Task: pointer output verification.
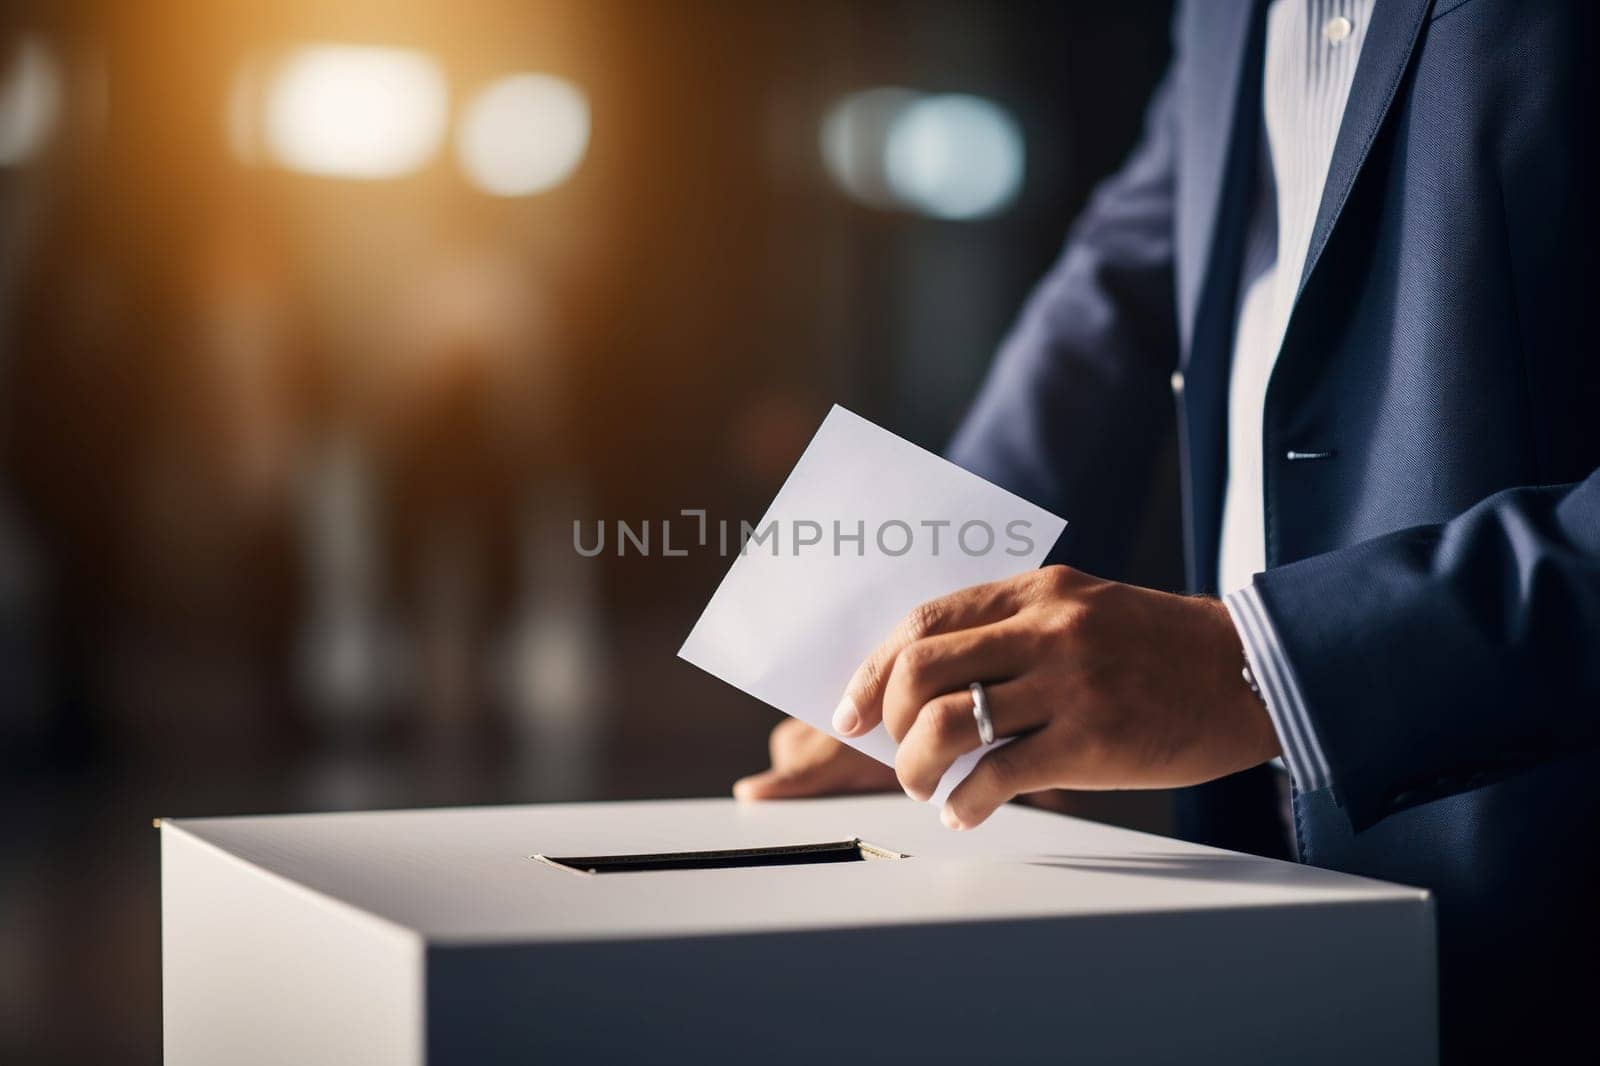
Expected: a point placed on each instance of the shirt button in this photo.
(1336, 29)
(1177, 382)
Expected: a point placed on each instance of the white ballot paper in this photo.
(867, 527)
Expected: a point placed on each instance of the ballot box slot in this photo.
(725, 859)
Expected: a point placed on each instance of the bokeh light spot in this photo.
(955, 156)
(523, 134)
(355, 111)
(952, 156)
(30, 100)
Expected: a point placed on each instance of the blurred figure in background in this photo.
(461, 421)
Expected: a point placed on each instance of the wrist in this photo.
(1298, 742)
(1241, 690)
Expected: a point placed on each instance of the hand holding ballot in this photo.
(1103, 685)
(1089, 684)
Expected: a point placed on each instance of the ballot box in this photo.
(840, 930)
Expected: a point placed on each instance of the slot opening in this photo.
(855, 850)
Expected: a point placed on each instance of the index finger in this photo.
(861, 709)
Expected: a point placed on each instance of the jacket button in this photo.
(1177, 382)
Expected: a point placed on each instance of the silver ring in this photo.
(980, 711)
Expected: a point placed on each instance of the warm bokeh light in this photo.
(952, 156)
(355, 111)
(30, 100)
(523, 134)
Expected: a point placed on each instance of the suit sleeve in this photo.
(1440, 658)
(1077, 407)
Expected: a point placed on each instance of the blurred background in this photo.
(322, 322)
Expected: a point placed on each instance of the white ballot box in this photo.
(793, 932)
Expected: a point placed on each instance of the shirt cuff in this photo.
(1302, 754)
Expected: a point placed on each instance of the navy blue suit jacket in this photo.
(1435, 579)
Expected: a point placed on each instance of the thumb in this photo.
(777, 784)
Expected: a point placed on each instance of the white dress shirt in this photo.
(1312, 48)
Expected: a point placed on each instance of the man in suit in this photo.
(1355, 245)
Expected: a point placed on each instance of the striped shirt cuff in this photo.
(1302, 754)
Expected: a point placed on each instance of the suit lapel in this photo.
(1396, 25)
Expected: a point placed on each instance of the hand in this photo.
(1106, 686)
(806, 762)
